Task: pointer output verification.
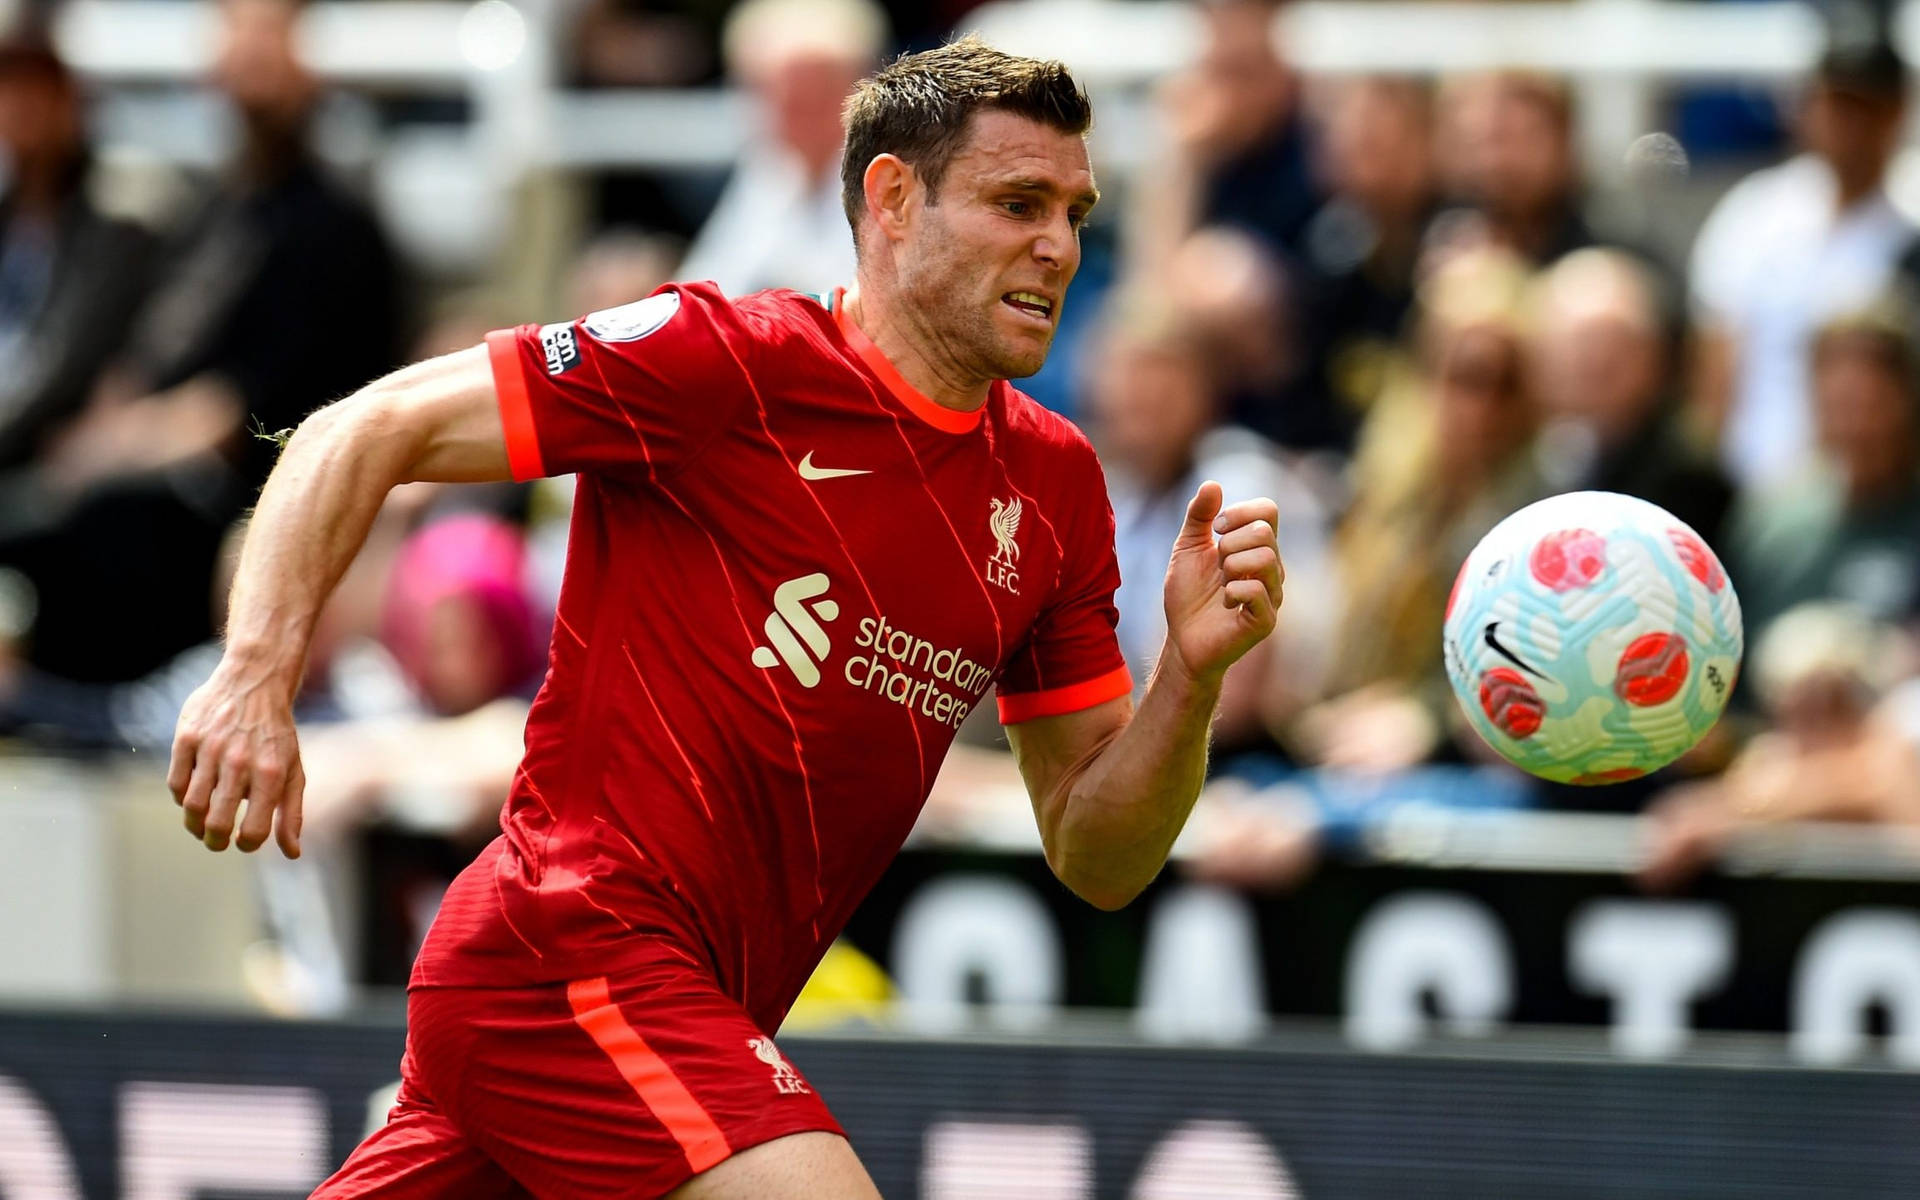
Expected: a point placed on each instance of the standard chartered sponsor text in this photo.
(910, 670)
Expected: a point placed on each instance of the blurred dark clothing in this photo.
(1356, 284)
(646, 43)
(1569, 233)
(1295, 413)
(1800, 541)
(926, 24)
(1355, 291)
(68, 291)
(288, 290)
(139, 715)
(123, 573)
(1566, 232)
(284, 289)
(1906, 273)
(1660, 466)
(1270, 191)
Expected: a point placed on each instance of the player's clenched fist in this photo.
(1223, 581)
(235, 742)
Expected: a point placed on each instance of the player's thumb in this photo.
(1201, 510)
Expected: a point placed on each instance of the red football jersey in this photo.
(790, 576)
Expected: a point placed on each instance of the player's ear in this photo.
(892, 188)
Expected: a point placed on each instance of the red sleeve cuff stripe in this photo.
(1025, 706)
(516, 408)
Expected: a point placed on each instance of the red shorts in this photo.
(621, 1087)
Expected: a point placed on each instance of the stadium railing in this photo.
(501, 57)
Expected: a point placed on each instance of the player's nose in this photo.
(1057, 247)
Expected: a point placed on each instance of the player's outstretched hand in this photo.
(235, 742)
(1223, 581)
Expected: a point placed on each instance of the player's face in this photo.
(988, 260)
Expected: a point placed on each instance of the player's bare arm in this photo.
(436, 420)
(1112, 787)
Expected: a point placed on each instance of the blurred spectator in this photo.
(458, 618)
(1446, 453)
(416, 732)
(283, 293)
(1266, 826)
(619, 267)
(1237, 301)
(781, 222)
(1790, 247)
(1238, 152)
(1155, 410)
(280, 295)
(1507, 156)
(71, 275)
(1833, 753)
(1603, 369)
(1361, 248)
(646, 43)
(438, 616)
(1844, 527)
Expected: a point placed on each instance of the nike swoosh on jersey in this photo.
(1493, 643)
(809, 471)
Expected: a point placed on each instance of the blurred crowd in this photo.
(1392, 303)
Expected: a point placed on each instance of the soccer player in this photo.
(810, 531)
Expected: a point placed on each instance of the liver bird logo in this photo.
(1005, 524)
(786, 1080)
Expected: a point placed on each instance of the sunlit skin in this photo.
(937, 269)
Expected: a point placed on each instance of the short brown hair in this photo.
(919, 107)
(1880, 330)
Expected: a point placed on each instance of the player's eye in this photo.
(1018, 208)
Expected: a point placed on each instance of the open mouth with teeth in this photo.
(1031, 304)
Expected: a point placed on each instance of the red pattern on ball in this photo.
(1568, 559)
(1698, 558)
(1610, 775)
(1459, 578)
(1511, 703)
(1652, 669)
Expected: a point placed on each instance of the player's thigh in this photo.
(418, 1155)
(801, 1166)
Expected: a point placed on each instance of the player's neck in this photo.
(914, 351)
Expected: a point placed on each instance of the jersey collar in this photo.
(918, 403)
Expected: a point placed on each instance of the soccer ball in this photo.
(1592, 638)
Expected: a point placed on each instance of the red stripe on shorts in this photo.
(648, 1074)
